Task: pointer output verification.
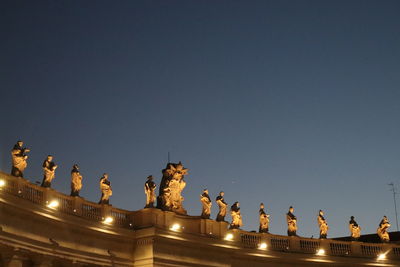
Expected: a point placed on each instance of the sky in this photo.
(280, 102)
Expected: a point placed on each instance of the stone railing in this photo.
(145, 218)
(77, 206)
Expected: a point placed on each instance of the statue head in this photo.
(262, 206)
(205, 191)
(105, 176)
(221, 193)
(150, 177)
(321, 213)
(75, 167)
(49, 158)
(352, 218)
(20, 143)
(291, 209)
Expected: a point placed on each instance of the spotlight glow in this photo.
(262, 246)
(381, 256)
(2, 183)
(108, 220)
(229, 237)
(175, 227)
(320, 252)
(53, 204)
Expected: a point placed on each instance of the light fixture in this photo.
(2, 183)
(381, 256)
(108, 220)
(321, 252)
(53, 204)
(229, 237)
(262, 245)
(175, 227)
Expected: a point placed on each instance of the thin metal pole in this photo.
(395, 205)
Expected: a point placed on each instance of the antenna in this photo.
(393, 189)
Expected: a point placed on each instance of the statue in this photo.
(172, 184)
(264, 220)
(382, 229)
(106, 191)
(76, 181)
(49, 171)
(222, 207)
(236, 216)
(150, 191)
(206, 204)
(355, 229)
(19, 157)
(323, 225)
(291, 222)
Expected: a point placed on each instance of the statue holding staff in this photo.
(76, 181)
(291, 222)
(323, 225)
(19, 159)
(106, 191)
(382, 229)
(206, 204)
(150, 191)
(236, 216)
(355, 229)
(222, 207)
(264, 220)
(49, 171)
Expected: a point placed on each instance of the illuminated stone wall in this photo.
(42, 227)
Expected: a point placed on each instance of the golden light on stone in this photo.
(53, 204)
(2, 183)
(108, 220)
(321, 252)
(262, 246)
(175, 227)
(229, 237)
(381, 256)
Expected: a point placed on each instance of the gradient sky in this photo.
(282, 102)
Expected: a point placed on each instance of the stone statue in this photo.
(76, 181)
(172, 184)
(236, 216)
(264, 220)
(355, 229)
(222, 207)
(323, 225)
(49, 171)
(19, 159)
(382, 229)
(150, 191)
(106, 191)
(206, 204)
(291, 222)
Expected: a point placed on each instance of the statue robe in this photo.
(19, 162)
(222, 208)
(49, 171)
(76, 182)
(206, 205)
(106, 191)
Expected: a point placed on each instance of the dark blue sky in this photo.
(281, 102)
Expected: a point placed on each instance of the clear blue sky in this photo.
(282, 102)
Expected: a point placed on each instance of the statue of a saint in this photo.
(355, 229)
(264, 220)
(49, 171)
(236, 216)
(206, 204)
(76, 181)
(106, 191)
(171, 187)
(222, 207)
(291, 222)
(323, 225)
(150, 191)
(19, 159)
(382, 229)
